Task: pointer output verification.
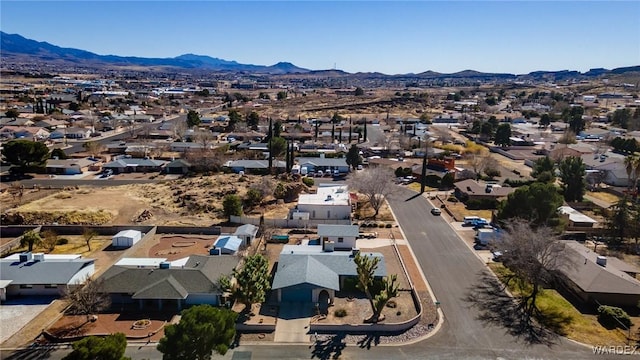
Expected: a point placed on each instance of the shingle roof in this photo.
(305, 269)
(121, 163)
(42, 272)
(200, 274)
(338, 230)
(583, 270)
(255, 164)
(318, 268)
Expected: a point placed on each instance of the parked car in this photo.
(436, 211)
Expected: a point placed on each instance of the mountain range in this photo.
(14, 47)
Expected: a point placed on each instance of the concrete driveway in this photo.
(293, 322)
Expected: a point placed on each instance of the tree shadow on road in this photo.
(368, 340)
(413, 197)
(498, 308)
(330, 348)
(33, 352)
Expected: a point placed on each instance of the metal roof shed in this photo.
(126, 238)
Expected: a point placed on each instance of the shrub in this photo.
(62, 241)
(381, 225)
(492, 173)
(452, 199)
(340, 312)
(482, 204)
(307, 181)
(392, 304)
(612, 317)
(388, 226)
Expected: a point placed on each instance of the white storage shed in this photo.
(126, 238)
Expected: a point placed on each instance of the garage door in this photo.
(296, 295)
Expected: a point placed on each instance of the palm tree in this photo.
(632, 166)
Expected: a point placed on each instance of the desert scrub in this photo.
(340, 312)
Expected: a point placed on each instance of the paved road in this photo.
(58, 183)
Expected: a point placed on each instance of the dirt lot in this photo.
(180, 246)
(188, 201)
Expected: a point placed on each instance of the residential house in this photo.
(323, 164)
(30, 274)
(343, 237)
(562, 151)
(611, 164)
(33, 133)
(51, 124)
(473, 190)
(331, 202)
(255, 166)
(313, 273)
(576, 219)
(178, 166)
(71, 166)
(596, 279)
(174, 285)
(127, 165)
(71, 133)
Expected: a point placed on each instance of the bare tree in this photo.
(479, 162)
(94, 148)
(88, 235)
(49, 240)
(534, 255)
(375, 184)
(179, 130)
(88, 299)
(204, 138)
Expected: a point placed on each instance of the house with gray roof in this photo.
(70, 166)
(255, 166)
(313, 273)
(127, 165)
(343, 236)
(35, 274)
(596, 279)
(166, 285)
(315, 164)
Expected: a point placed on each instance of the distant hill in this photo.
(18, 48)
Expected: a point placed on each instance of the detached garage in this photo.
(126, 238)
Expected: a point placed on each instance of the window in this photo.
(51, 286)
(26, 286)
(340, 239)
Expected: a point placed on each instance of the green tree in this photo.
(503, 135)
(58, 153)
(619, 223)
(544, 170)
(25, 154)
(253, 119)
(366, 267)
(574, 118)
(252, 198)
(475, 127)
(202, 330)
(353, 157)
(234, 118)
(278, 146)
(232, 205)
(622, 117)
(193, 118)
(359, 91)
(30, 239)
(545, 120)
(110, 347)
(282, 95)
(277, 128)
(537, 203)
(250, 284)
(12, 113)
(572, 174)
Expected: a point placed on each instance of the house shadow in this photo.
(329, 348)
(497, 308)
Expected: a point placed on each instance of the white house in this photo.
(126, 238)
(329, 203)
(341, 236)
(30, 274)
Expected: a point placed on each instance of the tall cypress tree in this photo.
(286, 160)
(270, 156)
(365, 130)
(333, 132)
(423, 175)
(350, 131)
(316, 135)
(340, 136)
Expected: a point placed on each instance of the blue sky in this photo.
(388, 37)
